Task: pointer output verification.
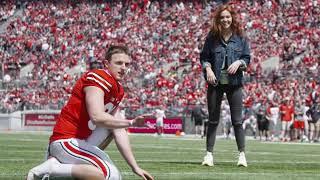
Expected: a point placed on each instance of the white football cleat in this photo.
(45, 177)
(42, 171)
(242, 160)
(31, 176)
(208, 160)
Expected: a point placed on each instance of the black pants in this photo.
(214, 97)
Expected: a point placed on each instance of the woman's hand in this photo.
(211, 78)
(234, 67)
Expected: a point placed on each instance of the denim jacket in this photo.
(214, 52)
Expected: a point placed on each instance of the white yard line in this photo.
(170, 138)
(292, 143)
(220, 173)
(182, 161)
(177, 151)
(24, 139)
(255, 161)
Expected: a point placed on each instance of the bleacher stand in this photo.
(165, 38)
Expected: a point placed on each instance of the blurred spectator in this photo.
(198, 115)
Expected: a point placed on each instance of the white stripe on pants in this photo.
(76, 151)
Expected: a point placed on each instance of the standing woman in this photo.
(224, 57)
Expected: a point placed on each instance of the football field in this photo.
(172, 157)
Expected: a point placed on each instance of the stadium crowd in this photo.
(7, 9)
(165, 38)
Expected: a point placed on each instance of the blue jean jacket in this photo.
(214, 52)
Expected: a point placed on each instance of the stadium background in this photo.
(46, 45)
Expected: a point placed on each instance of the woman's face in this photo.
(225, 19)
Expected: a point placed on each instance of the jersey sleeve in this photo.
(98, 79)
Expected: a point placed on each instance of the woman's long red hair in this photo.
(216, 25)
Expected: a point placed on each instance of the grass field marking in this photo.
(166, 138)
(25, 151)
(27, 132)
(219, 173)
(266, 142)
(292, 143)
(179, 161)
(183, 139)
(253, 161)
(19, 146)
(282, 153)
(157, 147)
(130, 173)
(26, 140)
(183, 152)
(233, 152)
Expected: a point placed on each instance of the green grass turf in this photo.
(174, 158)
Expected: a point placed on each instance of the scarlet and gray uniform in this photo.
(75, 138)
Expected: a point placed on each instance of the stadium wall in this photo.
(34, 120)
(44, 120)
(11, 121)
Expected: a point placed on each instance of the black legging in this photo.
(214, 97)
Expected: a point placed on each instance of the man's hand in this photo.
(142, 173)
(140, 120)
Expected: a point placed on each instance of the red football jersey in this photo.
(287, 112)
(74, 121)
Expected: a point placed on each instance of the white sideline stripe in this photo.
(25, 151)
(135, 146)
(18, 146)
(22, 139)
(159, 147)
(255, 161)
(292, 143)
(282, 154)
(167, 138)
(183, 161)
(264, 142)
(247, 152)
(201, 174)
(19, 132)
(178, 152)
(183, 139)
